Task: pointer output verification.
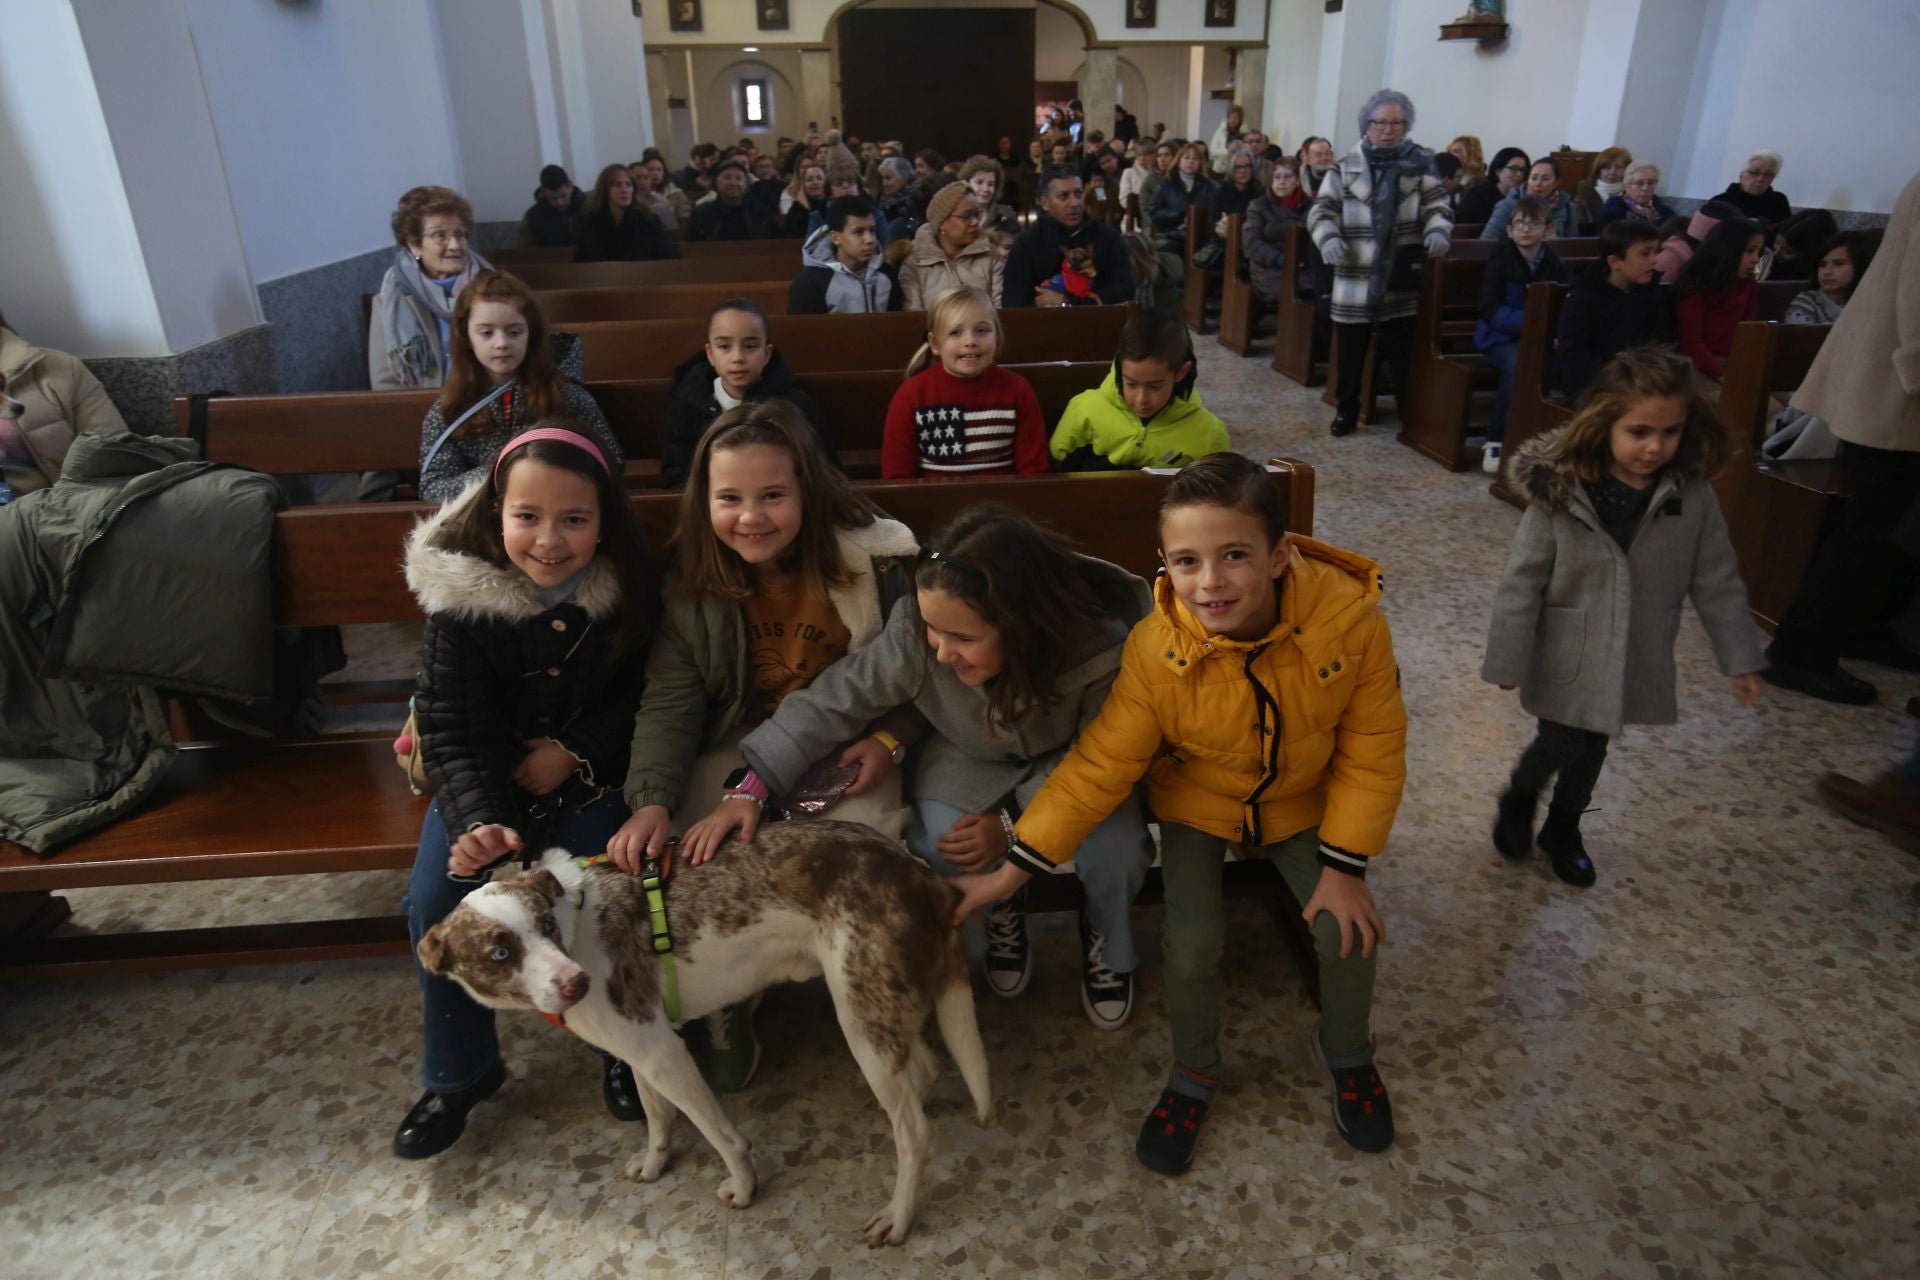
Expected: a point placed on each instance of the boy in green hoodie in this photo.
(1146, 413)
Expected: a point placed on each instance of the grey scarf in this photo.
(1388, 165)
(409, 348)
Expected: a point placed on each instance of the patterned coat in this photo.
(1344, 211)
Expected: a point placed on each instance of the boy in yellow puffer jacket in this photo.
(1261, 702)
(1146, 413)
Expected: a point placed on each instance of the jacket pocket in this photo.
(1561, 646)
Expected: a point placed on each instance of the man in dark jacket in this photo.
(1037, 256)
(1613, 305)
(1125, 127)
(730, 215)
(697, 178)
(553, 220)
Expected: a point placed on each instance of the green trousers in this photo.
(1190, 863)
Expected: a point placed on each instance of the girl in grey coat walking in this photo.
(1621, 526)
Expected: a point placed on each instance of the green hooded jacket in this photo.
(1104, 423)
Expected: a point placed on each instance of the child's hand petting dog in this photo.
(482, 847)
(704, 838)
(642, 836)
(976, 841)
(546, 765)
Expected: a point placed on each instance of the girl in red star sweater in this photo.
(959, 414)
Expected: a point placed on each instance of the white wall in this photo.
(716, 74)
(497, 136)
(1164, 69)
(1834, 89)
(1059, 43)
(1293, 72)
(72, 275)
(735, 22)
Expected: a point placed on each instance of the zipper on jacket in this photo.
(1265, 704)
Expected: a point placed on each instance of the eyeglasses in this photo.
(1757, 173)
(446, 237)
(1526, 224)
(966, 215)
(1513, 168)
(1386, 124)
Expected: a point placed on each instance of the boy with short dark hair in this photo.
(1614, 305)
(1147, 412)
(844, 273)
(1521, 259)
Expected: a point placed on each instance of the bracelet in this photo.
(895, 748)
(751, 785)
(1006, 825)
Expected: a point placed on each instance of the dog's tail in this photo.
(958, 1027)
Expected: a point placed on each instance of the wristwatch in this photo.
(895, 748)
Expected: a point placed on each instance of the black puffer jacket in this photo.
(694, 407)
(498, 669)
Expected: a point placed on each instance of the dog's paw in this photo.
(882, 1229)
(737, 1192)
(647, 1167)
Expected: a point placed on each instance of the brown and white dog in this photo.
(801, 900)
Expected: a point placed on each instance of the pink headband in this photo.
(550, 433)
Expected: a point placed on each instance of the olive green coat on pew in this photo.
(1866, 380)
(142, 568)
(1586, 630)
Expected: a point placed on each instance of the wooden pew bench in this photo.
(1199, 281)
(1300, 331)
(544, 276)
(513, 259)
(245, 809)
(1240, 306)
(333, 432)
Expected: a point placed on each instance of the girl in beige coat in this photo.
(58, 400)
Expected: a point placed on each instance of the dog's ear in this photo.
(545, 882)
(433, 952)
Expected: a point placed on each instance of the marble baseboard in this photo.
(143, 388)
(317, 320)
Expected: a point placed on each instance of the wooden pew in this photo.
(256, 808)
(547, 277)
(568, 308)
(619, 350)
(351, 431)
(512, 259)
(1240, 307)
(1199, 280)
(1446, 371)
(1300, 332)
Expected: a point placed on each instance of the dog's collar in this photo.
(653, 880)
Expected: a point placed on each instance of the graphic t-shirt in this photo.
(791, 637)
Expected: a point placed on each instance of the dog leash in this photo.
(653, 880)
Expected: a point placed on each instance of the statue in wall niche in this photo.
(1484, 11)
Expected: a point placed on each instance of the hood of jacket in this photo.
(17, 355)
(1327, 590)
(858, 603)
(927, 251)
(1549, 483)
(693, 379)
(475, 590)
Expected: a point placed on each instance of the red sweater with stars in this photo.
(940, 425)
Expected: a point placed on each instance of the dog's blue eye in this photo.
(501, 953)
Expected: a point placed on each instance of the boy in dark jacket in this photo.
(1613, 305)
(843, 271)
(738, 365)
(1517, 262)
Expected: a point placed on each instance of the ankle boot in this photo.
(1560, 838)
(1513, 828)
(438, 1119)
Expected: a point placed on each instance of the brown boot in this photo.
(1882, 804)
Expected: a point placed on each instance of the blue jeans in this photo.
(460, 1043)
(1112, 864)
(1504, 357)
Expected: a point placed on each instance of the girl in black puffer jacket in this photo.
(540, 599)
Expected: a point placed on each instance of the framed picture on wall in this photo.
(773, 14)
(684, 15)
(1220, 13)
(1143, 13)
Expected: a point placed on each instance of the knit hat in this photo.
(553, 177)
(945, 201)
(732, 162)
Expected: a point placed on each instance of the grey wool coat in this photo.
(1344, 211)
(967, 760)
(1585, 629)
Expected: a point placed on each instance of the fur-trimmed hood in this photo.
(475, 590)
(1550, 485)
(858, 603)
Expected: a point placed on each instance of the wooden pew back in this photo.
(544, 276)
(567, 308)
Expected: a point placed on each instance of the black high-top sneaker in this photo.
(1513, 829)
(1560, 839)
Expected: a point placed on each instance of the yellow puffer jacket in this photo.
(1197, 714)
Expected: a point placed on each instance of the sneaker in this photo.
(1490, 459)
(1171, 1132)
(732, 1050)
(1513, 829)
(1560, 840)
(1105, 995)
(1362, 1112)
(1009, 955)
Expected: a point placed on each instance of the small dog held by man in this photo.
(577, 943)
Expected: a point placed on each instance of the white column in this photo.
(816, 89)
(1098, 76)
(602, 70)
(1250, 87)
(1196, 89)
(1293, 71)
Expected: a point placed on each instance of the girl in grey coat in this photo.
(1621, 526)
(1006, 649)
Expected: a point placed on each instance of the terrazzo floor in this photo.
(1709, 1065)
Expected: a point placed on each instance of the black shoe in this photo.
(1513, 829)
(1834, 685)
(618, 1092)
(1362, 1112)
(1105, 995)
(1882, 648)
(1009, 954)
(1344, 424)
(1170, 1133)
(438, 1119)
(1560, 840)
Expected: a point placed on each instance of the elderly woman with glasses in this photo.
(407, 338)
(1753, 194)
(1379, 211)
(1637, 200)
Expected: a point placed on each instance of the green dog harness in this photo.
(653, 879)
